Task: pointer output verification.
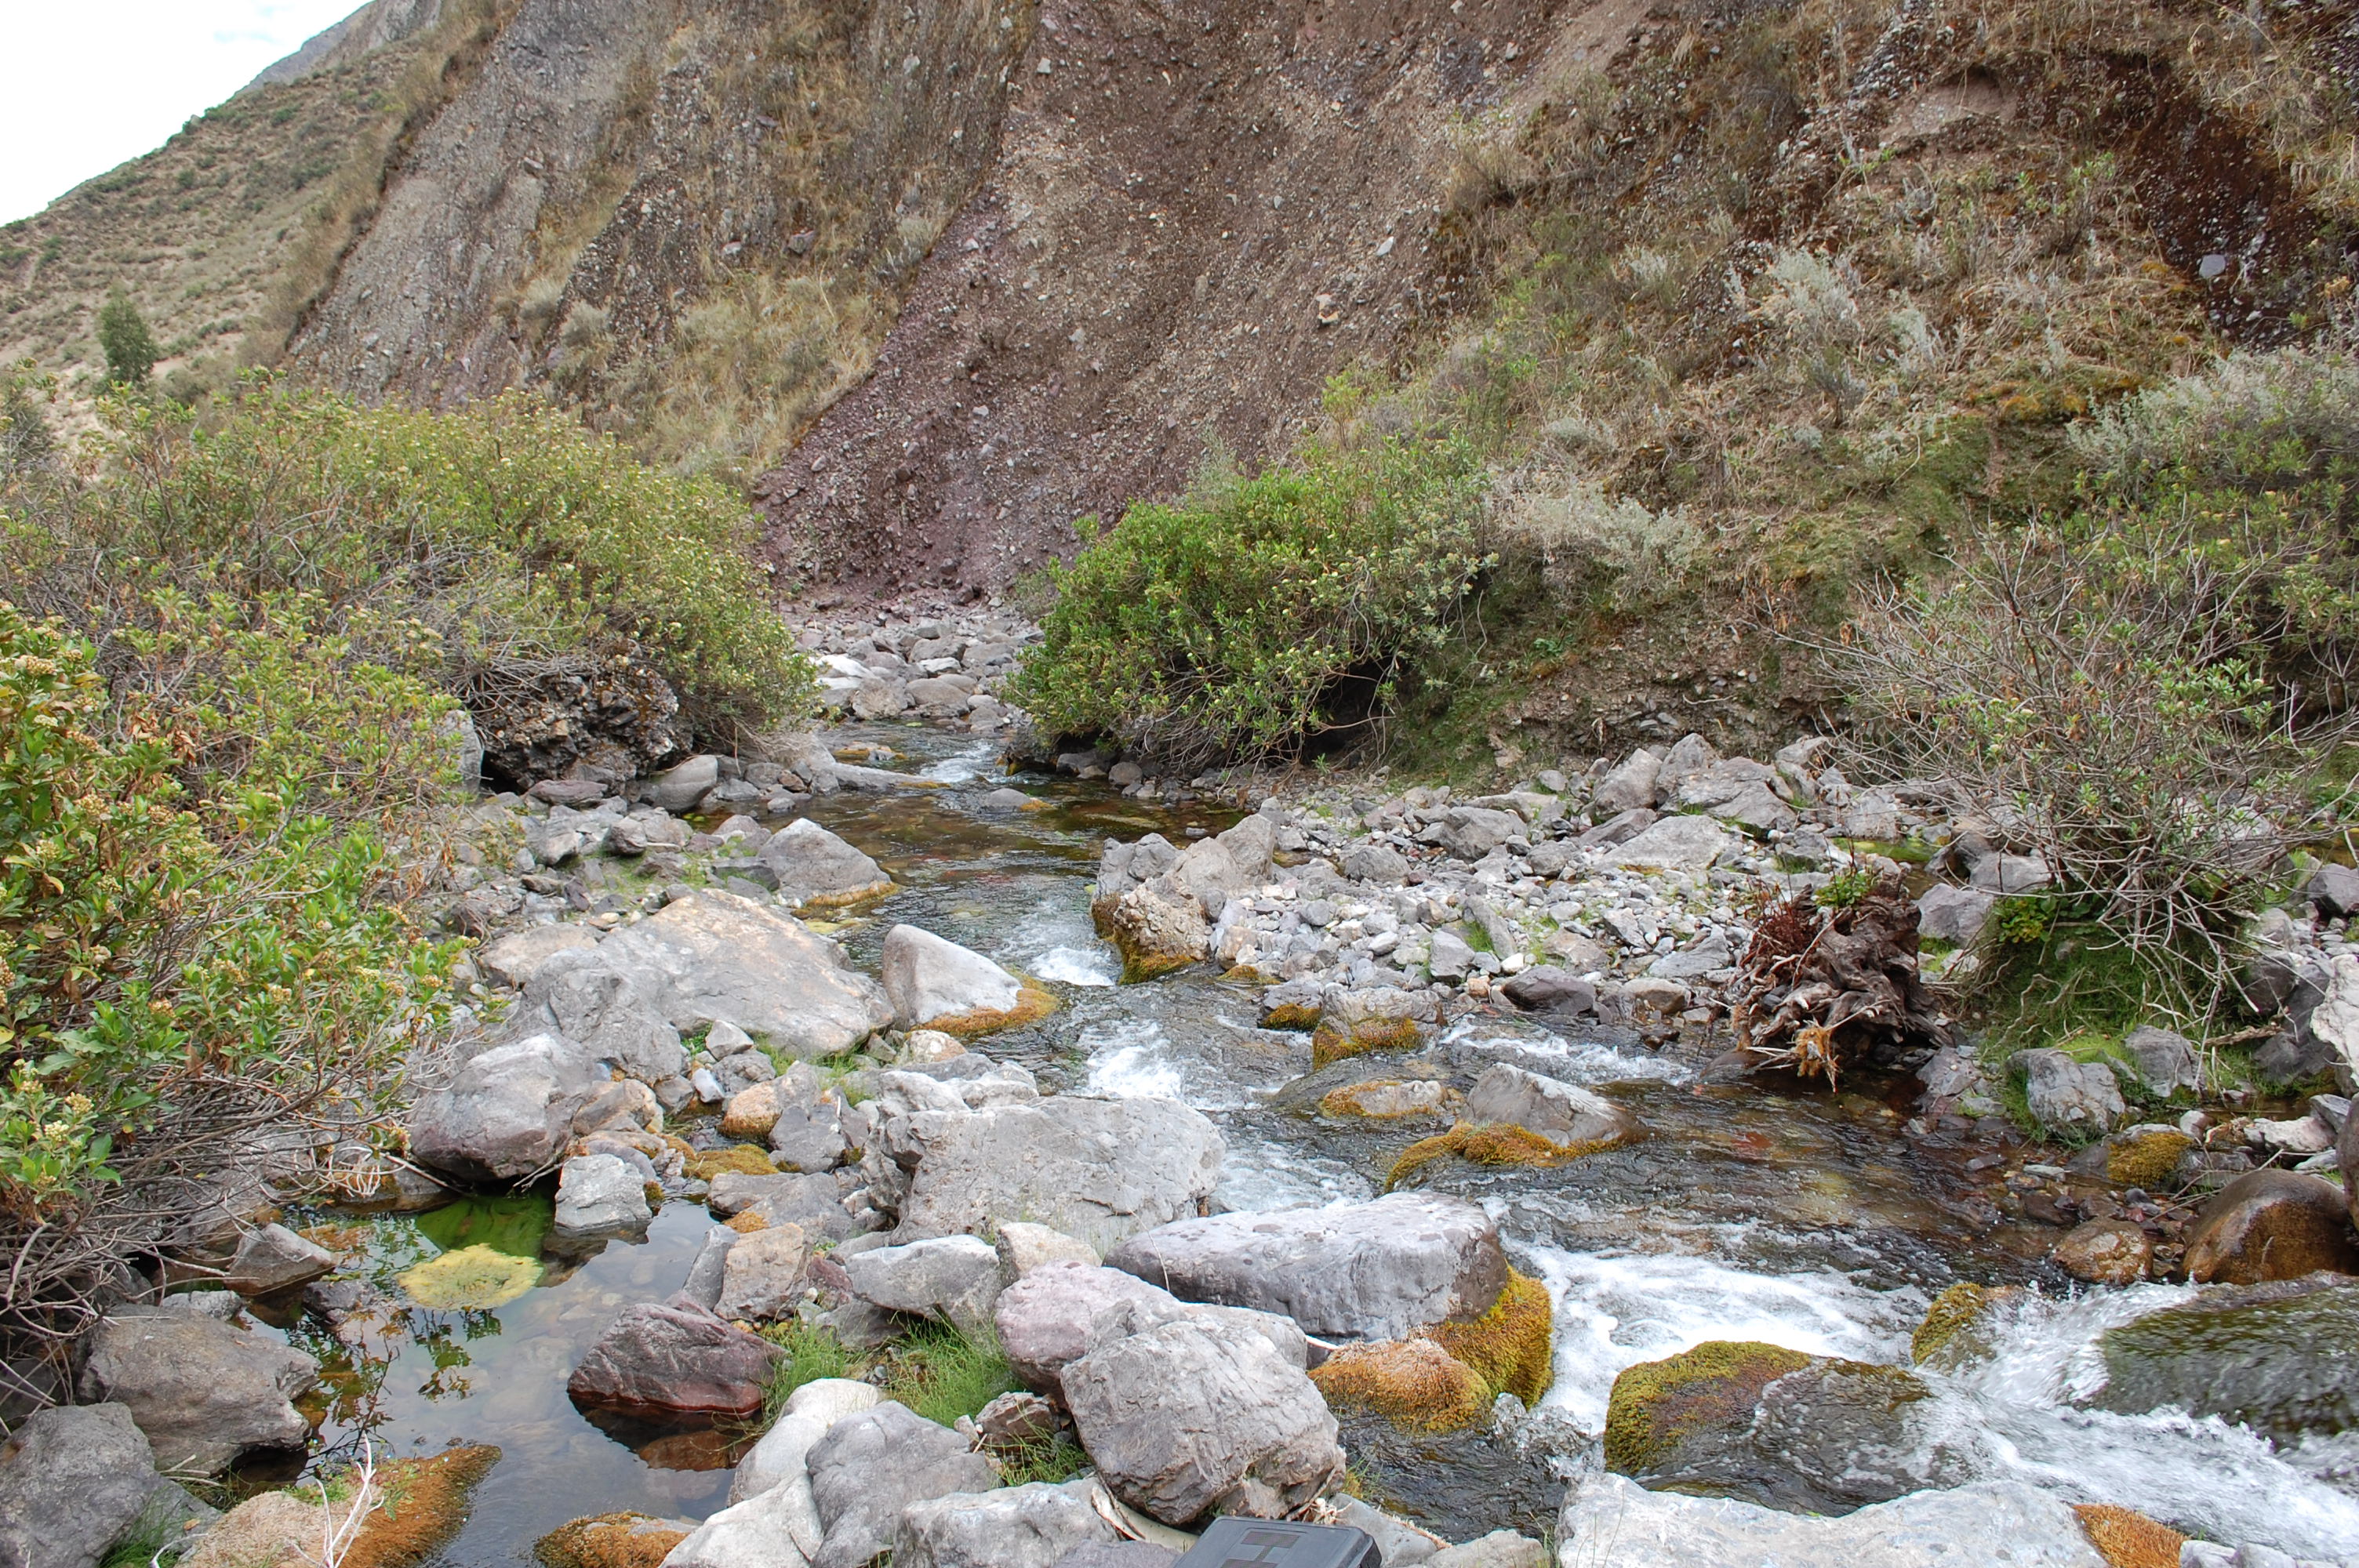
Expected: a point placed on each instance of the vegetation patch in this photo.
(1491, 1143)
(1414, 1383)
(1511, 1347)
(424, 1503)
(1329, 1043)
(812, 1353)
(2125, 1539)
(1034, 1002)
(471, 1279)
(942, 1374)
(1656, 1405)
(742, 1159)
(1955, 1325)
(609, 1540)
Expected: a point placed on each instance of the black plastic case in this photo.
(1273, 1543)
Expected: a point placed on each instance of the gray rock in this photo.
(1190, 1416)
(782, 1457)
(1449, 958)
(588, 997)
(203, 1391)
(1500, 1549)
(1024, 1246)
(763, 1275)
(1675, 844)
(1158, 928)
(950, 1278)
(1993, 1521)
(272, 1258)
(514, 959)
(675, 1356)
(743, 1071)
(2062, 1092)
(1034, 1526)
(927, 978)
(871, 1466)
(679, 788)
(73, 1481)
(1629, 786)
(598, 1193)
(2336, 890)
(1873, 814)
(2008, 874)
(1953, 914)
(1373, 1271)
(809, 1137)
(1122, 1554)
(777, 1527)
(1546, 987)
(1044, 1318)
(1400, 1542)
(638, 833)
(1366, 862)
(1691, 757)
(710, 1267)
(1004, 799)
(2165, 1061)
(713, 956)
(1559, 1111)
(1618, 828)
(1471, 832)
(507, 1113)
(815, 867)
(2273, 1357)
(1757, 810)
(1096, 1169)
(1693, 962)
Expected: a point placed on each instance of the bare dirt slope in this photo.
(1200, 211)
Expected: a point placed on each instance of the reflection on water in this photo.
(1799, 1217)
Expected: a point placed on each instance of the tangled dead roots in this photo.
(1817, 988)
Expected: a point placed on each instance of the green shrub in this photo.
(124, 338)
(1257, 614)
(812, 1353)
(456, 541)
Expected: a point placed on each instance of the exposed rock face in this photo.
(1044, 1318)
(585, 995)
(272, 1258)
(72, 1481)
(763, 1274)
(930, 978)
(818, 869)
(507, 1113)
(203, 1391)
(872, 1465)
(1559, 1111)
(715, 957)
(1375, 1270)
(2272, 1224)
(599, 1192)
(1993, 1521)
(1033, 1526)
(1099, 1170)
(1192, 1416)
(675, 1356)
(950, 1278)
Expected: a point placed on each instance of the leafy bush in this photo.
(124, 338)
(1257, 614)
(457, 540)
(1590, 544)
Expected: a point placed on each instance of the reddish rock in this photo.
(2272, 1224)
(675, 1357)
(2105, 1252)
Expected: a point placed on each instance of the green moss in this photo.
(744, 1159)
(1333, 1044)
(1416, 1384)
(812, 1353)
(470, 1279)
(514, 1224)
(1655, 1404)
(1511, 1349)
(1490, 1145)
(2146, 1159)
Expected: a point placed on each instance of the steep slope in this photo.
(1199, 213)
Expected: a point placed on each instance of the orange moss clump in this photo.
(745, 1158)
(425, 1502)
(1331, 1043)
(609, 1540)
(1511, 1347)
(2128, 1539)
(747, 1222)
(1493, 1143)
(1414, 1383)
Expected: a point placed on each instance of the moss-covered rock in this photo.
(2281, 1357)
(1957, 1327)
(1384, 1099)
(1033, 1001)
(1333, 1041)
(2128, 1539)
(744, 1159)
(1511, 1347)
(1497, 1143)
(1657, 1406)
(609, 1541)
(2143, 1156)
(1414, 1383)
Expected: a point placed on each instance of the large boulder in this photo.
(1371, 1270)
(515, 959)
(816, 869)
(782, 1457)
(1097, 1169)
(582, 996)
(508, 1112)
(1032, 1526)
(1674, 844)
(2069, 1095)
(776, 1529)
(1992, 1521)
(1556, 1110)
(764, 1274)
(950, 1278)
(1471, 832)
(1157, 930)
(871, 1466)
(675, 1357)
(716, 957)
(1953, 914)
(2282, 1358)
(1356, 1020)
(201, 1390)
(814, 1201)
(1629, 786)
(1189, 1416)
(934, 982)
(1045, 1318)
(680, 786)
(2272, 1224)
(73, 1481)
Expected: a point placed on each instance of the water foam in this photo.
(962, 766)
(1260, 1176)
(1074, 965)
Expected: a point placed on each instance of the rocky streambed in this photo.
(1440, 1147)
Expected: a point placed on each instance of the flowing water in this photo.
(1806, 1218)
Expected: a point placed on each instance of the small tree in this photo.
(131, 351)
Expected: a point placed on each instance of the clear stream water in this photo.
(1803, 1217)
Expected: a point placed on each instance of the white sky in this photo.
(86, 84)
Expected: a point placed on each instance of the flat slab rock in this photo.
(1991, 1522)
(715, 956)
(1373, 1271)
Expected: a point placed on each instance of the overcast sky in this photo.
(85, 84)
